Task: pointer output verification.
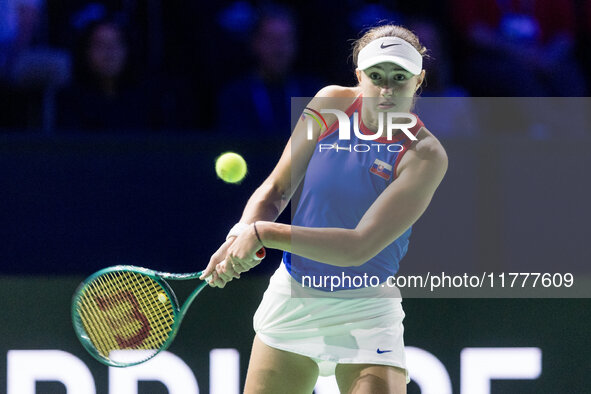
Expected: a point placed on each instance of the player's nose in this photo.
(386, 91)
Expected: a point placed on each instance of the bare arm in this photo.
(271, 198)
(274, 194)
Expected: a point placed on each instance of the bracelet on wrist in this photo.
(257, 233)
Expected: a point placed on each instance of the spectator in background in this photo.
(519, 47)
(441, 101)
(259, 104)
(105, 94)
(437, 64)
(30, 70)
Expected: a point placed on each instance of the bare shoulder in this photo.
(428, 147)
(427, 151)
(338, 91)
(333, 97)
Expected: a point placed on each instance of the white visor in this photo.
(393, 50)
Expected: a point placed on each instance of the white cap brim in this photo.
(391, 50)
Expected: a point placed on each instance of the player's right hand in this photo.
(215, 259)
(225, 273)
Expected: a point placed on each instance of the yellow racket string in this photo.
(125, 310)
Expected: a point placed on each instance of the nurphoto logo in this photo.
(345, 124)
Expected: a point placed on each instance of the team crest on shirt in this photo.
(381, 169)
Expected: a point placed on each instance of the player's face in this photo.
(392, 86)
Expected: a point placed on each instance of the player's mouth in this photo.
(386, 105)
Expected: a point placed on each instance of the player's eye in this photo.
(399, 77)
(374, 76)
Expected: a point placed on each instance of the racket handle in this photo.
(260, 254)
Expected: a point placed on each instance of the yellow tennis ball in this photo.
(162, 298)
(230, 167)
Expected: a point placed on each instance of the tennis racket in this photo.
(124, 307)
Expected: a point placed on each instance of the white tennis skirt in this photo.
(331, 331)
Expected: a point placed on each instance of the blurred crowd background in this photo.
(112, 113)
(131, 65)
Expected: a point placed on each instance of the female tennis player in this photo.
(354, 218)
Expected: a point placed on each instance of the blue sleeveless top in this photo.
(342, 181)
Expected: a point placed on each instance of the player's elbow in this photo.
(342, 257)
(358, 253)
(346, 254)
(348, 261)
(352, 249)
(365, 246)
(362, 257)
(356, 263)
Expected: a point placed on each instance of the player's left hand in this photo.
(241, 253)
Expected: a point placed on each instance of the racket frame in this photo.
(159, 277)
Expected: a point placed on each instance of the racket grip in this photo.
(260, 254)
